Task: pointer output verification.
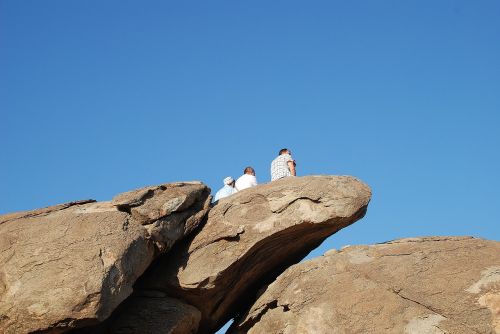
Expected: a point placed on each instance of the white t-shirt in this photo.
(245, 181)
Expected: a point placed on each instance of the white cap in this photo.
(228, 180)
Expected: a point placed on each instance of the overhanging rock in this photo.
(252, 236)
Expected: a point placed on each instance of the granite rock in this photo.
(71, 265)
(252, 236)
(413, 286)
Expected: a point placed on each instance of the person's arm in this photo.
(291, 166)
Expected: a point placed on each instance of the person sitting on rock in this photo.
(283, 165)
(247, 180)
(227, 190)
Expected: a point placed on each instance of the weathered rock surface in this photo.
(168, 212)
(154, 315)
(414, 286)
(251, 237)
(70, 265)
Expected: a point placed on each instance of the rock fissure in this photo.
(424, 239)
(402, 254)
(142, 196)
(124, 208)
(125, 224)
(269, 306)
(233, 237)
(288, 204)
(430, 308)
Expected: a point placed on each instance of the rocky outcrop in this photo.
(71, 265)
(252, 236)
(168, 212)
(152, 261)
(418, 285)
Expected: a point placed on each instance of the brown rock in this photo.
(155, 315)
(414, 286)
(252, 236)
(70, 265)
(166, 211)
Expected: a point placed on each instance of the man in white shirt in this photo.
(283, 165)
(247, 180)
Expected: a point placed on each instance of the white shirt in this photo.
(245, 181)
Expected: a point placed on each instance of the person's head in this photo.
(285, 151)
(229, 181)
(249, 170)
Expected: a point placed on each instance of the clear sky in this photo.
(100, 97)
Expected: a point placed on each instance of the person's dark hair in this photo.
(248, 170)
(283, 151)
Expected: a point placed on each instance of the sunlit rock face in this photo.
(71, 265)
(162, 259)
(252, 236)
(414, 285)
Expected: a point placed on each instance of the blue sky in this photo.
(100, 97)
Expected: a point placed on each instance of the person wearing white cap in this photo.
(227, 190)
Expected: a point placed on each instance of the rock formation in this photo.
(71, 265)
(163, 260)
(419, 285)
(251, 237)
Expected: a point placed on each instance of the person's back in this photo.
(227, 190)
(247, 180)
(283, 165)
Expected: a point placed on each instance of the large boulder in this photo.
(252, 236)
(415, 286)
(70, 265)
